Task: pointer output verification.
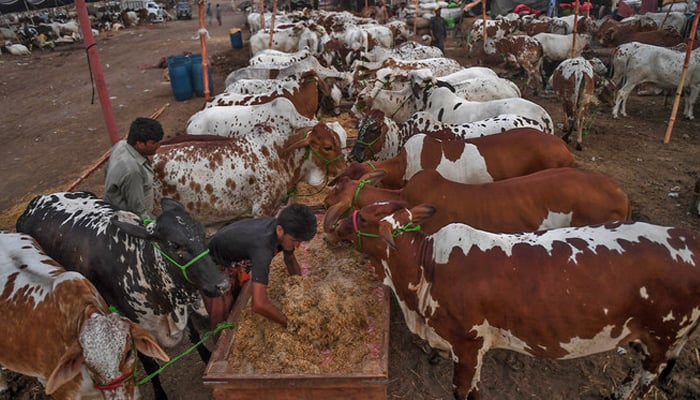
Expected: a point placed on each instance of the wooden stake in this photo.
(104, 157)
(415, 20)
(573, 42)
(679, 90)
(483, 16)
(261, 6)
(272, 23)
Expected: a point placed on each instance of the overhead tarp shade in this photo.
(503, 7)
(10, 6)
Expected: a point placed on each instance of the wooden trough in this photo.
(228, 384)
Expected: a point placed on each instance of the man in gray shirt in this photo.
(129, 174)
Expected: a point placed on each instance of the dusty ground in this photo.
(52, 131)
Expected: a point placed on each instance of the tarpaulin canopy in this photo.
(10, 6)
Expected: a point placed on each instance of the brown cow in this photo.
(552, 198)
(527, 53)
(478, 160)
(57, 327)
(558, 294)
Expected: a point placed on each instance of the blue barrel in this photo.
(236, 38)
(180, 77)
(196, 75)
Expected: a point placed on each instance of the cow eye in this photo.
(328, 148)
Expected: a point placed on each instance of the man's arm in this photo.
(290, 260)
(262, 305)
(132, 190)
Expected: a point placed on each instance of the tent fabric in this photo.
(503, 7)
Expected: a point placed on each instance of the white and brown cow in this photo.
(249, 176)
(547, 199)
(574, 82)
(478, 160)
(380, 138)
(305, 91)
(558, 294)
(236, 121)
(57, 327)
(526, 52)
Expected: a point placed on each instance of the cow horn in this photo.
(385, 231)
(333, 215)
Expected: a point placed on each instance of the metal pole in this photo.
(96, 68)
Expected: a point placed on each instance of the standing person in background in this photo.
(382, 14)
(218, 14)
(208, 13)
(438, 30)
(401, 13)
(129, 174)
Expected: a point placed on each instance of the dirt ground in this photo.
(53, 130)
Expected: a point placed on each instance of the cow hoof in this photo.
(579, 147)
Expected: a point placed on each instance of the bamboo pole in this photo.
(679, 90)
(573, 42)
(104, 157)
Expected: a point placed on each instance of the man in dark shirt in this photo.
(248, 246)
(438, 30)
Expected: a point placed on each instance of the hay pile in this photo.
(336, 322)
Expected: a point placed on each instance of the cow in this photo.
(446, 107)
(150, 274)
(249, 176)
(306, 92)
(287, 39)
(467, 291)
(557, 47)
(477, 160)
(473, 84)
(527, 53)
(380, 138)
(271, 56)
(662, 67)
(58, 328)
(235, 121)
(574, 82)
(495, 28)
(547, 199)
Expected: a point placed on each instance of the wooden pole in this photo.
(415, 19)
(483, 17)
(104, 157)
(573, 42)
(96, 69)
(272, 23)
(203, 46)
(261, 7)
(679, 90)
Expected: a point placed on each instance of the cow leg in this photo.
(580, 112)
(150, 365)
(467, 372)
(621, 99)
(690, 102)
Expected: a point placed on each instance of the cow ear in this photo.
(67, 369)
(131, 228)
(374, 177)
(146, 344)
(298, 144)
(421, 212)
(168, 204)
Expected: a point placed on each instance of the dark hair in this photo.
(144, 129)
(299, 221)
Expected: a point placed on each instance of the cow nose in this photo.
(223, 286)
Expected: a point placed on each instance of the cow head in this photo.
(371, 133)
(324, 152)
(375, 225)
(179, 239)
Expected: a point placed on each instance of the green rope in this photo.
(219, 328)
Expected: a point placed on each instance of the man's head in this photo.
(144, 135)
(295, 224)
(437, 10)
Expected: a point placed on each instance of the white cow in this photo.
(557, 47)
(662, 67)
